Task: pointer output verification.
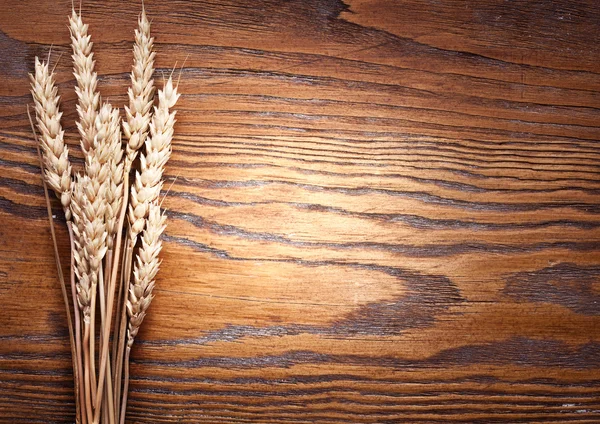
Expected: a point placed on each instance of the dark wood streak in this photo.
(567, 284)
(408, 250)
(413, 220)
(424, 196)
(380, 212)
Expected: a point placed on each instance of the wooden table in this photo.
(382, 212)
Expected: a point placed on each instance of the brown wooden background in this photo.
(385, 211)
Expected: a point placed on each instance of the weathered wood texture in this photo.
(385, 211)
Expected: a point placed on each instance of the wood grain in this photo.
(382, 211)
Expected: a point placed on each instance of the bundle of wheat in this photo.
(99, 205)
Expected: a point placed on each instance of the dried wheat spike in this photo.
(142, 89)
(148, 182)
(83, 70)
(82, 266)
(145, 269)
(108, 152)
(89, 238)
(55, 152)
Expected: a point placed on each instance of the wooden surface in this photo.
(385, 211)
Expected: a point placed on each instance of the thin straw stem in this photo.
(126, 276)
(107, 401)
(86, 355)
(102, 291)
(93, 344)
(126, 386)
(110, 412)
(104, 408)
(120, 326)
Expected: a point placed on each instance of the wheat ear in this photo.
(148, 181)
(83, 70)
(109, 153)
(140, 290)
(144, 271)
(57, 168)
(142, 89)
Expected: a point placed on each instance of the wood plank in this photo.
(381, 211)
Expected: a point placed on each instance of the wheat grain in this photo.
(148, 182)
(142, 89)
(86, 89)
(108, 143)
(55, 152)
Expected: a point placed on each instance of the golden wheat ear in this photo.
(141, 92)
(148, 182)
(145, 270)
(55, 154)
(83, 69)
(108, 152)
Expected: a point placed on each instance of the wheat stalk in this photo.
(90, 203)
(57, 168)
(73, 337)
(140, 290)
(146, 189)
(135, 129)
(95, 185)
